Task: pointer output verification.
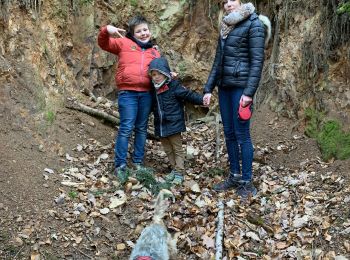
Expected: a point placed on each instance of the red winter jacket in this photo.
(132, 71)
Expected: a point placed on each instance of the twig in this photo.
(110, 8)
(244, 222)
(81, 252)
(18, 252)
(212, 109)
(89, 93)
(219, 231)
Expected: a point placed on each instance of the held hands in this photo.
(115, 31)
(245, 100)
(206, 99)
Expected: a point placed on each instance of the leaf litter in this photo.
(296, 214)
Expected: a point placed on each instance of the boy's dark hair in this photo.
(134, 21)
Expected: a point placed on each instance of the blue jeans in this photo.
(134, 109)
(237, 133)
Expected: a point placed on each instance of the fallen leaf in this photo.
(104, 211)
(117, 201)
(49, 171)
(121, 246)
(300, 222)
(35, 256)
(253, 236)
(208, 242)
(281, 245)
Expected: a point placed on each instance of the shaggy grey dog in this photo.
(155, 242)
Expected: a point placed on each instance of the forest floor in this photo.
(56, 192)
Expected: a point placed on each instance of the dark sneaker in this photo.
(121, 173)
(138, 166)
(170, 177)
(178, 179)
(230, 183)
(246, 189)
(174, 177)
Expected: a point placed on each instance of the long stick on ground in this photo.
(92, 111)
(101, 114)
(219, 231)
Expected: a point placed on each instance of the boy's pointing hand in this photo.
(115, 31)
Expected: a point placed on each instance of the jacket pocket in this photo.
(235, 70)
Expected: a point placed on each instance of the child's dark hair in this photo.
(134, 21)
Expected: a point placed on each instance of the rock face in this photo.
(49, 49)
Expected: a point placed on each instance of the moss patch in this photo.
(332, 140)
(344, 7)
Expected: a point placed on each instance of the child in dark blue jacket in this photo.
(169, 118)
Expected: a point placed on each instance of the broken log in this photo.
(92, 111)
(75, 105)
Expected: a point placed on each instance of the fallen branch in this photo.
(75, 105)
(15, 257)
(92, 111)
(219, 231)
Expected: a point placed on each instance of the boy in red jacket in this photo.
(135, 52)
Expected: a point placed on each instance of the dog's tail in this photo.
(161, 205)
(267, 23)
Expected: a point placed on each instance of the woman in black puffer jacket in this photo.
(236, 71)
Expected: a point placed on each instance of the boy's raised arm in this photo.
(106, 42)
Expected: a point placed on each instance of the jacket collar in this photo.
(163, 89)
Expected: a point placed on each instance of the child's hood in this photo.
(161, 65)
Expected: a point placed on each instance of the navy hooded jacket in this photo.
(168, 105)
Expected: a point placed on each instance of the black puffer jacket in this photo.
(239, 58)
(169, 101)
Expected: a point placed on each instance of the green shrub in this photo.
(133, 3)
(344, 8)
(332, 140)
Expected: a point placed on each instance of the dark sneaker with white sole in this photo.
(121, 173)
(174, 177)
(138, 166)
(231, 182)
(246, 189)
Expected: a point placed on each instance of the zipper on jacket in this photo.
(160, 116)
(142, 61)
